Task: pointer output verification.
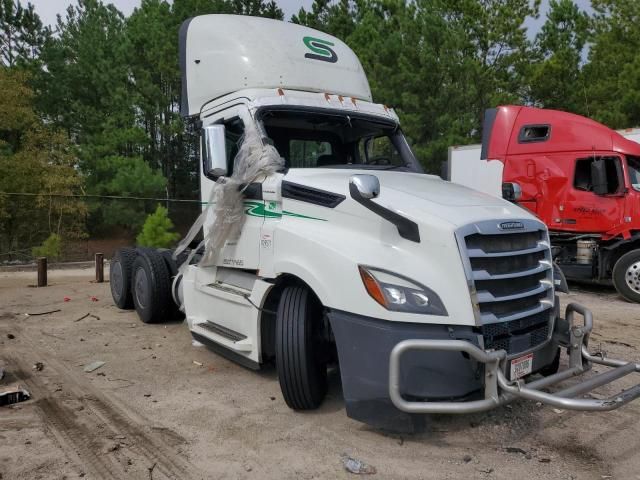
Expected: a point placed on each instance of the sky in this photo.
(48, 9)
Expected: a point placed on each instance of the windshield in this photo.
(634, 172)
(313, 139)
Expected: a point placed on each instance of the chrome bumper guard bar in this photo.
(499, 390)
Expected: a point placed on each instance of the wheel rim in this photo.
(116, 280)
(141, 287)
(632, 277)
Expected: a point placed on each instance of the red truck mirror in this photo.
(599, 177)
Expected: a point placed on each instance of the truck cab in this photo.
(582, 180)
(325, 245)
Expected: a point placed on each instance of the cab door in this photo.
(242, 251)
(594, 204)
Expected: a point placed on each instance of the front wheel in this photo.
(302, 372)
(626, 276)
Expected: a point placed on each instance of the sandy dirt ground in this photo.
(152, 413)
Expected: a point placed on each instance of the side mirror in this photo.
(367, 186)
(214, 155)
(511, 191)
(599, 177)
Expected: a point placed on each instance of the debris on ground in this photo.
(94, 299)
(558, 411)
(515, 450)
(10, 336)
(358, 467)
(87, 315)
(467, 458)
(197, 363)
(41, 313)
(94, 366)
(66, 299)
(150, 470)
(14, 395)
(38, 366)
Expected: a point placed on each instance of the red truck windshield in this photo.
(634, 172)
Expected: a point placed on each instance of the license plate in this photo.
(521, 367)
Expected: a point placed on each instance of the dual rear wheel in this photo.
(141, 279)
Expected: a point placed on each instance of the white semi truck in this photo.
(429, 297)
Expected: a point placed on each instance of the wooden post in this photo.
(42, 271)
(99, 268)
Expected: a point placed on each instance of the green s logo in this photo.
(321, 50)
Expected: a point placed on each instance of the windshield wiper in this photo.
(392, 167)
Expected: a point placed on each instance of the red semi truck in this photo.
(578, 176)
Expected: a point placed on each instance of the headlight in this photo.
(397, 293)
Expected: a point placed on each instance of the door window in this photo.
(583, 179)
(233, 132)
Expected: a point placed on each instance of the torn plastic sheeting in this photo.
(254, 160)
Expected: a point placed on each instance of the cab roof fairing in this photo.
(568, 132)
(221, 54)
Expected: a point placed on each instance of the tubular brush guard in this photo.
(499, 390)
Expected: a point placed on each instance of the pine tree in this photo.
(157, 230)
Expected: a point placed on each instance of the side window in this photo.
(233, 132)
(612, 169)
(380, 151)
(310, 153)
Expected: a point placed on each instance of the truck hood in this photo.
(416, 195)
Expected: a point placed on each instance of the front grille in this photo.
(517, 335)
(512, 279)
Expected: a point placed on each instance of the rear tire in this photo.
(120, 277)
(626, 276)
(301, 371)
(151, 287)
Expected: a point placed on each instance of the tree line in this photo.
(90, 105)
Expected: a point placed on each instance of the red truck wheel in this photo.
(626, 276)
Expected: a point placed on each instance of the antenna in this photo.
(586, 100)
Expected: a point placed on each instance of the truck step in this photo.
(222, 331)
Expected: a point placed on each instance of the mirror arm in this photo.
(406, 228)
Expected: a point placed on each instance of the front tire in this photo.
(151, 287)
(120, 277)
(302, 372)
(626, 276)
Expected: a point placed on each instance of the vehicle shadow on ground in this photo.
(333, 402)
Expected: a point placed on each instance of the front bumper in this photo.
(394, 373)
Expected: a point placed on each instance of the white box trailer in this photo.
(325, 244)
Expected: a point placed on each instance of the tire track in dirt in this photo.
(84, 420)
